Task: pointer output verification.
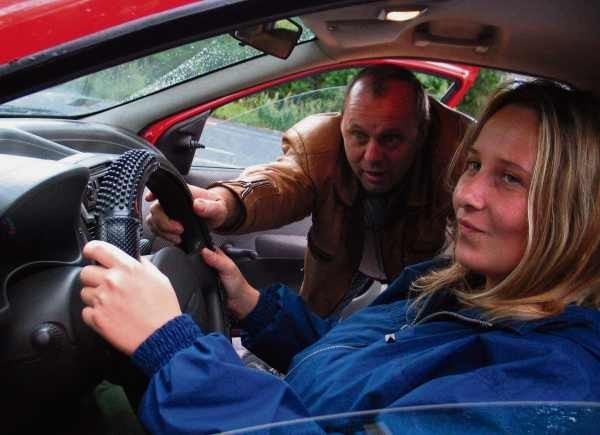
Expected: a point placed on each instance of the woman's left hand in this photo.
(127, 300)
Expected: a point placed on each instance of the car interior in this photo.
(56, 168)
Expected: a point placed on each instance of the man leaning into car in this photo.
(372, 177)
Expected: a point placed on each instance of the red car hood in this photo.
(30, 26)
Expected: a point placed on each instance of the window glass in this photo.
(248, 131)
(460, 418)
(435, 86)
(487, 82)
(116, 85)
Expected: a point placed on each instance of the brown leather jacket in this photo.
(313, 176)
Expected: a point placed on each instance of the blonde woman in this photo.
(510, 314)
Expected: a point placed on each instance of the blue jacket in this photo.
(383, 356)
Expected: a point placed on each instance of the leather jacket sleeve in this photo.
(278, 193)
(274, 194)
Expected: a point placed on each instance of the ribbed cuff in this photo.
(166, 341)
(265, 310)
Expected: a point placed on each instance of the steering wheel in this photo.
(196, 285)
(119, 201)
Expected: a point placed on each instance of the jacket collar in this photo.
(445, 301)
(346, 184)
(572, 316)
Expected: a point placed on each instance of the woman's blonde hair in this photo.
(561, 262)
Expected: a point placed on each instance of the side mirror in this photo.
(276, 38)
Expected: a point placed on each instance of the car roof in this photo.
(548, 38)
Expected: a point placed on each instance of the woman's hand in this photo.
(126, 300)
(241, 296)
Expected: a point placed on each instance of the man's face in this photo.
(380, 134)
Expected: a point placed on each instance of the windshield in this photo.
(477, 418)
(132, 80)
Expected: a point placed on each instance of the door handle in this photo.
(233, 252)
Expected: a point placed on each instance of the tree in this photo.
(485, 85)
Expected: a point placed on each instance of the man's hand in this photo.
(217, 206)
(126, 300)
(241, 296)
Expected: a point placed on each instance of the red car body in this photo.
(32, 26)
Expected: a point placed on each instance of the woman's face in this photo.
(490, 199)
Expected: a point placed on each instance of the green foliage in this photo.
(487, 82)
(434, 85)
(280, 107)
(324, 80)
(280, 114)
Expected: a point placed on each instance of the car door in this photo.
(247, 131)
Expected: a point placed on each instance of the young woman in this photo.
(510, 314)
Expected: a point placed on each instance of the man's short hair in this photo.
(378, 78)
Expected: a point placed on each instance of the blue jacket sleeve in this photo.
(282, 325)
(198, 384)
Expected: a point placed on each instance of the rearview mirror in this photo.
(276, 38)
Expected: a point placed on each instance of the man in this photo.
(373, 179)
